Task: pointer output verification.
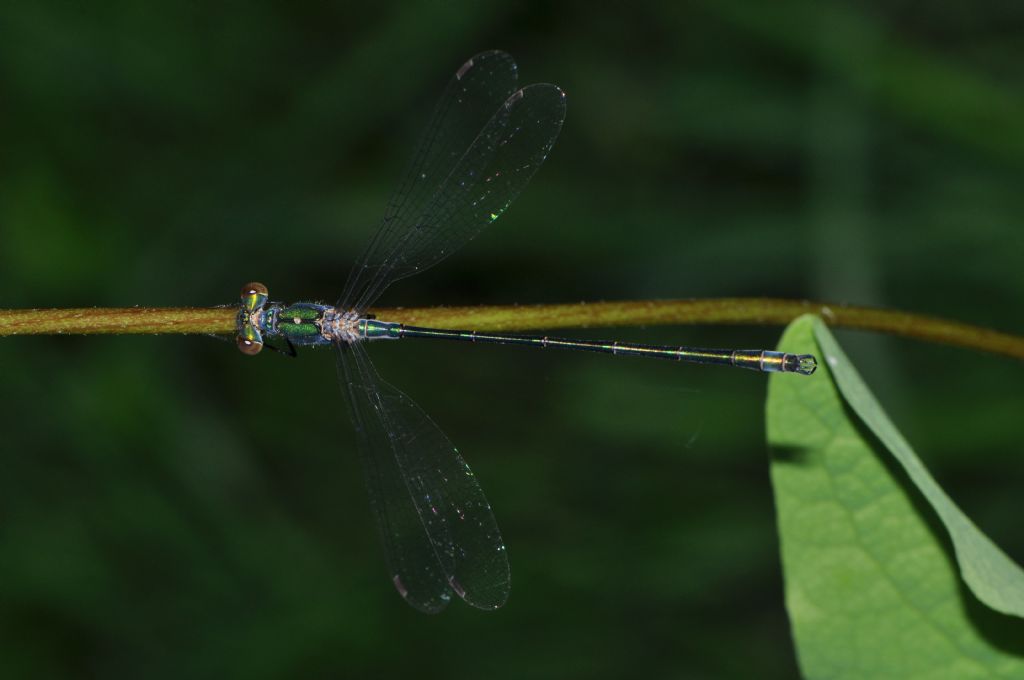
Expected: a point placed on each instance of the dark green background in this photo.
(170, 508)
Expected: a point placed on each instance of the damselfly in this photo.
(485, 141)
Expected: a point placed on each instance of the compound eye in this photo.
(254, 288)
(254, 296)
(248, 346)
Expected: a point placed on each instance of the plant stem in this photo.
(754, 311)
(118, 321)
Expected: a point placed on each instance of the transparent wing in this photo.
(438, 530)
(472, 96)
(464, 174)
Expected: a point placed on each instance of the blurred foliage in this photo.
(171, 508)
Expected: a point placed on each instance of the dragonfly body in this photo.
(311, 324)
(303, 324)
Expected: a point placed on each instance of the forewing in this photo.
(488, 176)
(472, 96)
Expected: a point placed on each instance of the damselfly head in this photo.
(254, 296)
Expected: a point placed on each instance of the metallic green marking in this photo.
(372, 329)
(249, 334)
(300, 322)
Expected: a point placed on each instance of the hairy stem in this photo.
(753, 311)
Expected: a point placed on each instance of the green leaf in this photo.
(872, 588)
(993, 577)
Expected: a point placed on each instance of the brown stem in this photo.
(753, 311)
